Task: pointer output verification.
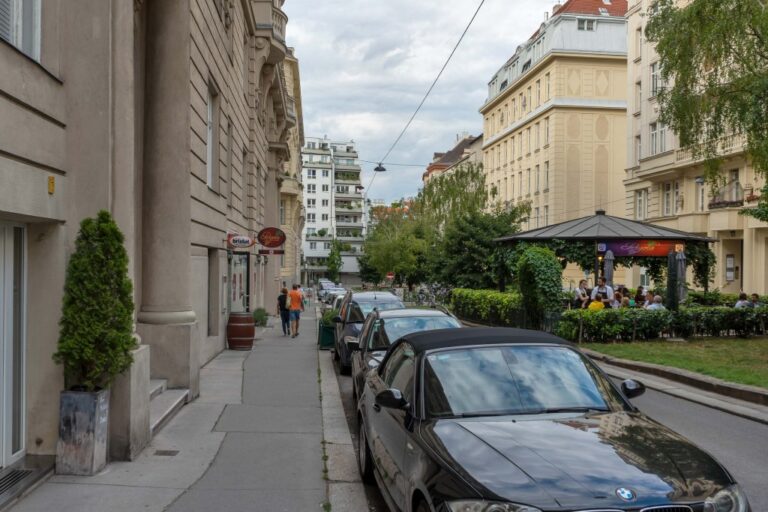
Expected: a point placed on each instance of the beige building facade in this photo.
(174, 115)
(665, 183)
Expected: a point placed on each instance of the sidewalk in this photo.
(252, 441)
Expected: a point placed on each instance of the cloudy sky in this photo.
(366, 64)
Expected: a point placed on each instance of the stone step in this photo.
(165, 406)
(157, 386)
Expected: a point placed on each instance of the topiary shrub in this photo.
(260, 317)
(539, 276)
(96, 326)
(327, 319)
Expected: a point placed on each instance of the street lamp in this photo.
(379, 168)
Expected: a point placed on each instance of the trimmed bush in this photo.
(639, 324)
(539, 276)
(488, 306)
(260, 317)
(96, 326)
(716, 298)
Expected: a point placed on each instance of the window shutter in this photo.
(5, 19)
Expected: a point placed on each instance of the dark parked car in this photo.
(354, 308)
(508, 420)
(382, 328)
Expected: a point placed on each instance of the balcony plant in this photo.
(95, 342)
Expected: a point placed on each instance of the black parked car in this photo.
(354, 308)
(382, 328)
(508, 420)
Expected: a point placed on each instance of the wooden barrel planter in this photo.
(240, 331)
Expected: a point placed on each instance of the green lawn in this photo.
(744, 361)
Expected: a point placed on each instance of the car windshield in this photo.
(525, 379)
(359, 310)
(395, 328)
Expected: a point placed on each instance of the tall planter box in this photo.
(83, 429)
(325, 336)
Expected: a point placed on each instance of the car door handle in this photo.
(376, 407)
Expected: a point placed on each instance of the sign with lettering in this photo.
(271, 237)
(235, 241)
(641, 247)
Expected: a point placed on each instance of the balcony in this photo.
(349, 223)
(730, 196)
(350, 194)
(270, 23)
(319, 238)
(348, 208)
(726, 146)
(350, 237)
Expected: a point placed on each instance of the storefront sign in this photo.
(271, 237)
(271, 251)
(235, 241)
(641, 247)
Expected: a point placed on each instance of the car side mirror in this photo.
(391, 399)
(632, 388)
(353, 344)
(338, 320)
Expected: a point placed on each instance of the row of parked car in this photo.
(458, 419)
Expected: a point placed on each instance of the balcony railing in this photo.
(726, 146)
(279, 20)
(731, 195)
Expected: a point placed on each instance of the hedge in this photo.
(717, 298)
(487, 306)
(639, 324)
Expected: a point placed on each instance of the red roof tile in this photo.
(614, 8)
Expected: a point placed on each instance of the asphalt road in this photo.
(739, 444)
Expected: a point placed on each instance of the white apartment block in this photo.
(335, 207)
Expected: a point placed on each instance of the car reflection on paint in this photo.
(508, 420)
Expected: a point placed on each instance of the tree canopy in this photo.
(715, 65)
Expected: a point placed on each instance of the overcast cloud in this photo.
(365, 65)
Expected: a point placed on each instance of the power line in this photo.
(408, 124)
(390, 163)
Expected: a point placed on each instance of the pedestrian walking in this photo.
(296, 306)
(284, 312)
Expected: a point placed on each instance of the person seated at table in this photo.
(626, 302)
(640, 296)
(616, 302)
(743, 302)
(648, 299)
(756, 301)
(597, 303)
(656, 304)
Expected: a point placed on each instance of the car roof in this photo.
(411, 312)
(375, 296)
(448, 338)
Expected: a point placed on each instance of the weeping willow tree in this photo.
(715, 64)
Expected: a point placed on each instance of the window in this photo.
(538, 92)
(536, 215)
(512, 148)
(657, 81)
(520, 145)
(546, 131)
(325, 188)
(670, 197)
(212, 139)
(530, 100)
(638, 96)
(311, 174)
(312, 245)
(325, 202)
(528, 139)
(546, 215)
(310, 218)
(658, 138)
(399, 371)
(311, 145)
(325, 173)
(638, 149)
(514, 110)
(326, 245)
(520, 184)
(324, 217)
(20, 25)
(546, 176)
(311, 203)
(282, 211)
(641, 204)
(700, 194)
(311, 231)
(548, 90)
(311, 188)
(588, 25)
(537, 131)
(528, 179)
(538, 178)
(639, 42)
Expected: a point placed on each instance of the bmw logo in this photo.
(625, 494)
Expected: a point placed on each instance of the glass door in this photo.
(238, 283)
(12, 272)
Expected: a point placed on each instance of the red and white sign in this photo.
(235, 241)
(271, 237)
(390, 275)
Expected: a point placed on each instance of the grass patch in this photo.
(743, 361)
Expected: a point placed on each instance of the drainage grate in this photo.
(12, 478)
(166, 453)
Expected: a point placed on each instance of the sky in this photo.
(366, 64)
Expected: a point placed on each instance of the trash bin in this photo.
(325, 336)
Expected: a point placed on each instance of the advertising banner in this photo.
(640, 247)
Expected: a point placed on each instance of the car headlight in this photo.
(488, 506)
(730, 499)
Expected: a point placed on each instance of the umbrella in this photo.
(608, 269)
(682, 290)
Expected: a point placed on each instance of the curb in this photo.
(743, 392)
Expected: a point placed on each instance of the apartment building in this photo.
(555, 118)
(665, 183)
(174, 116)
(468, 149)
(335, 207)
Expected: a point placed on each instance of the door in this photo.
(12, 312)
(239, 289)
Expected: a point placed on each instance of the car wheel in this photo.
(335, 353)
(364, 462)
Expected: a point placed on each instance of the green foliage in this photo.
(368, 273)
(334, 262)
(452, 195)
(96, 326)
(716, 298)
(488, 306)
(322, 232)
(260, 317)
(328, 316)
(539, 276)
(640, 324)
(715, 55)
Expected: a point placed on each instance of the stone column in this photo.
(166, 319)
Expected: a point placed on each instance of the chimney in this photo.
(556, 8)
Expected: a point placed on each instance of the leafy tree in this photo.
(334, 262)
(368, 273)
(539, 275)
(452, 195)
(715, 62)
(96, 326)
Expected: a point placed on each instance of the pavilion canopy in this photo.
(602, 227)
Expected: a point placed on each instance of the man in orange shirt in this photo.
(296, 307)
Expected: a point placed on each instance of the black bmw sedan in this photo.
(509, 420)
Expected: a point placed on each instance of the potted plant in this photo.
(95, 343)
(260, 317)
(327, 330)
